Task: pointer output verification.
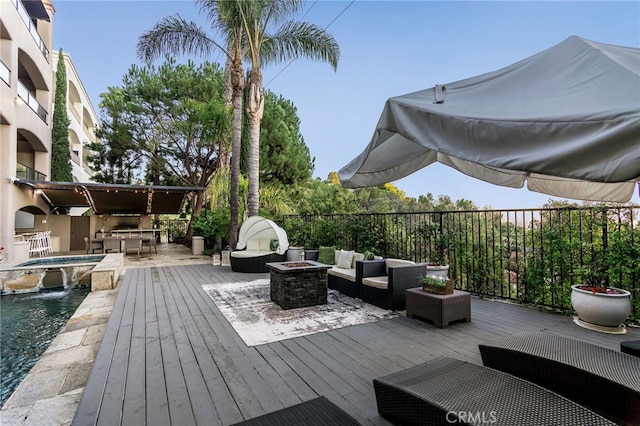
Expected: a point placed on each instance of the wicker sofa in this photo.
(342, 275)
(383, 282)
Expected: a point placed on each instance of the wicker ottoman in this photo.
(441, 309)
(316, 412)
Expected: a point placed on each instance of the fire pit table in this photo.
(297, 284)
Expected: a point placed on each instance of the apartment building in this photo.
(27, 87)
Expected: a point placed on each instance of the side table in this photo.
(441, 309)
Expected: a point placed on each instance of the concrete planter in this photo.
(603, 309)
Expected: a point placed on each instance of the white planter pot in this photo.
(294, 253)
(609, 310)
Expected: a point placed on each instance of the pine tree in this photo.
(60, 153)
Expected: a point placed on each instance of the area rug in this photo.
(258, 320)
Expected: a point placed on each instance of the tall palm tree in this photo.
(290, 40)
(175, 36)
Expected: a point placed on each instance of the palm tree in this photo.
(173, 35)
(290, 40)
(244, 25)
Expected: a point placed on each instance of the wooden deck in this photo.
(169, 356)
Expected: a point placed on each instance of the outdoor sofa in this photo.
(260, 241)
(447, 391)
(342, 275)
(384, 281)
(602, 379)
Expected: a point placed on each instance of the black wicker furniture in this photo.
(384, 286)
(346, 280)
(255, 262)
(441, 309)
(602, 379)
(631, 347)
(316, 412)
(447, 391)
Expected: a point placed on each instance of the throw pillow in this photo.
(275, 244)
(326, 255)
(265, 244)
(344, 259)
(368, 255)
(253, 245)
(356, 256)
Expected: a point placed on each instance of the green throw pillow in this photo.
(368, 255)
(327, 255)
(275, 244)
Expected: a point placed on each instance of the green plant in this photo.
(433, 281)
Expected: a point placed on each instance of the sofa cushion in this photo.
(356, 256)
(253, 245)
(381, 282)
(345, 259)
(397, 262)
(265, 244)
(249, 253)
(347, 274)
(326, 255)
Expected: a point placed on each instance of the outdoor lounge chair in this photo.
(260, 241)
(315, 412)
(602, 379)
(343, 274)
(384, 282)
(447, 391)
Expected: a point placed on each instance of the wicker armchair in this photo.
(383, 284)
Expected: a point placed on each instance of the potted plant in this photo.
(599, 304)
(436, 284)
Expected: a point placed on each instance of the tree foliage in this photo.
(60, 150)
(164, 126)
(284, 157)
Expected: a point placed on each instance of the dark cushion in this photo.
(327, 255)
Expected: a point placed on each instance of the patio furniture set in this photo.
(122, 244)
(526, 379)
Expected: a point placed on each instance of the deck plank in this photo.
(169, 356)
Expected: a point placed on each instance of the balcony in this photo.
(5, 73)
(33, 103)
(24, 15)
(26, 172)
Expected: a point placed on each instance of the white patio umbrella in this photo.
(566, 121)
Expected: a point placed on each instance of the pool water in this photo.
(28, 324)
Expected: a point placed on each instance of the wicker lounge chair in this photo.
(447, 391)
(383, 285)
(260, 241)
(605, 380)
(316, 412)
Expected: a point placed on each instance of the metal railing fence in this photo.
(530, 256)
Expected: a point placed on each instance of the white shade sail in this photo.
(566, 121)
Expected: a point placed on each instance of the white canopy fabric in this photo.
(259, 228)
(566, 121)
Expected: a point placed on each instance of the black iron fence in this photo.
(530, 256)
(174, 229)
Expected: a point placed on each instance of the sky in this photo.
(387, 48)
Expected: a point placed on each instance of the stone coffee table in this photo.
(296, 284)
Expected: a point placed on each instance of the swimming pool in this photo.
(47, 273)
(29, 322)
(64, 260)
